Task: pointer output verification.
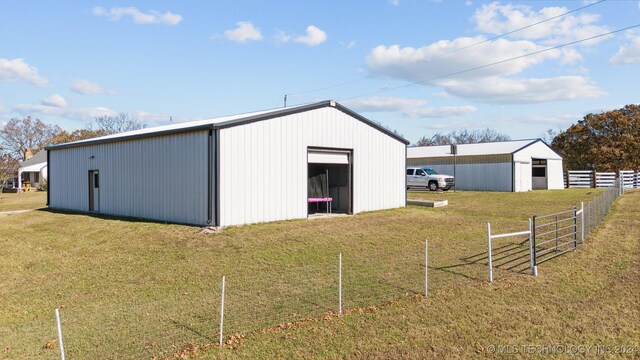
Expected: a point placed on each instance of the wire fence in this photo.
(548, 236)
(309, 285)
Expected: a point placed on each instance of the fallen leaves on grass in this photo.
(50, 344)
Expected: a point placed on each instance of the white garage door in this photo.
(327, 157)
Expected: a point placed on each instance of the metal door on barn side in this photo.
(94, 190)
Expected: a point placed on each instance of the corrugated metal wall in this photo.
(539, 150)
(263, 165)
(483, 173)
(162, 178)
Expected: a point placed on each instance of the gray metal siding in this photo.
(263, 165)
(482, 173)
(161, 178)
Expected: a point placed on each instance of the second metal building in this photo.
(241, 169)
(520, 165)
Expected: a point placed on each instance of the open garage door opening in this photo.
(539, 174)
(329, 182)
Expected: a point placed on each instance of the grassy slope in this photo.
(589, 297)
(23, 201)
(135, 289)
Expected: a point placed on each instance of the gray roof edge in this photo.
(130, 137)
(38, 158)
(238, 122)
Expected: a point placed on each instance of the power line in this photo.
(493, 63)
(523, 28)
(454, 51)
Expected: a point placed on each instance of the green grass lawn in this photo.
(23, 201)
(131, 289)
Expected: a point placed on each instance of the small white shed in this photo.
(264, 166)
(519, 165)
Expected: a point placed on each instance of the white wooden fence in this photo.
(593, 179)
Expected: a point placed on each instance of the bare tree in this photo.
(549, 135)
(463, 137)
(20, 135)
(8, 168)
(118, 123)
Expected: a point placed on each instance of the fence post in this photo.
(593, 178)
(582, 222)
(222, 312)
(575, 229)
(60, 334)
(489, 252)
(340, 284)
(533, 236)
(531, 248)
(426, 267)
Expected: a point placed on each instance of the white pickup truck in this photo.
(429, 178)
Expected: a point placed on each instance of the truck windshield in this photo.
(430, 171)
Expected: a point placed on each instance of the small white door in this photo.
(94, 190)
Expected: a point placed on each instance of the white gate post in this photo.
(222, 312)
(60, 334)
(489, 252)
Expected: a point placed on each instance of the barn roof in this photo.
(225, 122)
(492, 148)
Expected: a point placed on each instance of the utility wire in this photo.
(524, 28)
(493, 63)
(459, 49)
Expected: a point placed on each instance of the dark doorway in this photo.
(329, 181)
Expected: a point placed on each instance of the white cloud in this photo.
(86, 87)
(465, 73)
(382, 104)
(349, 45)
(496, 19)
(138, 17)
(629, 53)
(84, 114)
(497, 90)
(442, 58)
(442, 111)
(415, 108)
(394, 2)
(55, 100)
(244, 31)
(18, 70)
(314, 36)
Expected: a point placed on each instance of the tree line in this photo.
(20, 136)
(606, 141)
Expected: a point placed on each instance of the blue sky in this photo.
(66, 62)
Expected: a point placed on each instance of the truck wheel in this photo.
(433, 186)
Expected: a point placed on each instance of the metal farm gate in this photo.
(550, 235)
(554, 235)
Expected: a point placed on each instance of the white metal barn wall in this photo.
(483, 173)
(539, 150)
(263, 165)
(162, 178)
